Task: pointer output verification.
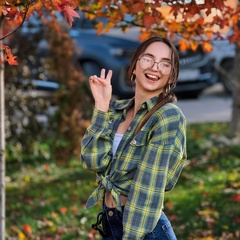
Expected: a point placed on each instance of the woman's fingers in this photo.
(102, 75)
(102, 78)
(109, 76)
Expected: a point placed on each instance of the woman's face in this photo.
(153, 69)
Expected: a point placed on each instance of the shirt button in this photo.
(129, 128)
(134, 142)
(110, 121)
(110, 213)
(143, 106)
(84, 165)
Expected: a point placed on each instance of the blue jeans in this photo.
(163, 230)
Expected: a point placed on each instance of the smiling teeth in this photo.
(152, 76)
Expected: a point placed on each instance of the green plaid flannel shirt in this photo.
(145, 165)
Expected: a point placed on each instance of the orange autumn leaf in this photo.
(124, 9)
(209, 34)
(234, 19)
(35, 7)
(183, 45)
(54, 214)
(27, 228)
(194, 44)
(8, 56)
(99, 27)
(144, 35)
(175, 26)
(199, 21)
(207, 46)
(46, 167)
(75, 210)
(63, 210)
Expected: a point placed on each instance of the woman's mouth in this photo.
(152, 77)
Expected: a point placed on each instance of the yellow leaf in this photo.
(208, 213)
(27, 179)
(22, 236)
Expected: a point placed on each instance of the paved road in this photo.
(212, 106)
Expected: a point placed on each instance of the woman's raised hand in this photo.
(101, 89)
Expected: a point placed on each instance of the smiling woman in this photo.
(136, 147)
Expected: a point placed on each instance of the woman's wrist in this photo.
(102, 107)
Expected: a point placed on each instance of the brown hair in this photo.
(167, 95)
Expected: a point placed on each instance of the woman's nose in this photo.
(155, 66)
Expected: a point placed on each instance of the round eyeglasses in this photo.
(146, 62)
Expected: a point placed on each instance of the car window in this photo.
(86, 23)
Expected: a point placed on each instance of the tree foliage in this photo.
(192, 23)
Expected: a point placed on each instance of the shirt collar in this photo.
(127, 103)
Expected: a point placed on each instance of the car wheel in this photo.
(228, 66)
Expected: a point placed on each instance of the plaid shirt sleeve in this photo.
(97, 142)
(158, 171)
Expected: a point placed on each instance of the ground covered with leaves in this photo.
(45, 200)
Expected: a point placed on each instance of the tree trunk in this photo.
(2, 143)
(235, 123)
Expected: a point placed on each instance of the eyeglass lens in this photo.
(147, 63)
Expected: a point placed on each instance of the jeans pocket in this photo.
(168, 230)
(162, 231)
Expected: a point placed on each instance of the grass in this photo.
(46, 201)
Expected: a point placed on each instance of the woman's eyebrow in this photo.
(151, 55)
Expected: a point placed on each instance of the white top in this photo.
(117, 139)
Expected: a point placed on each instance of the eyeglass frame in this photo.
(154, 64)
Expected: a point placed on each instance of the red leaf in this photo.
(138, 7)
(236, 198)
(69, 13)
(10, 12)
(236, 220)
(67, 7)
(148, 20)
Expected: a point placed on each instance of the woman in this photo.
(136, 147)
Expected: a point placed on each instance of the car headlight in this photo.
(118, 52)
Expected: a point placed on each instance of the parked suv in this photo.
(114, 49)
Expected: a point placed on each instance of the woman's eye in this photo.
(147, 59)
(166, 64)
